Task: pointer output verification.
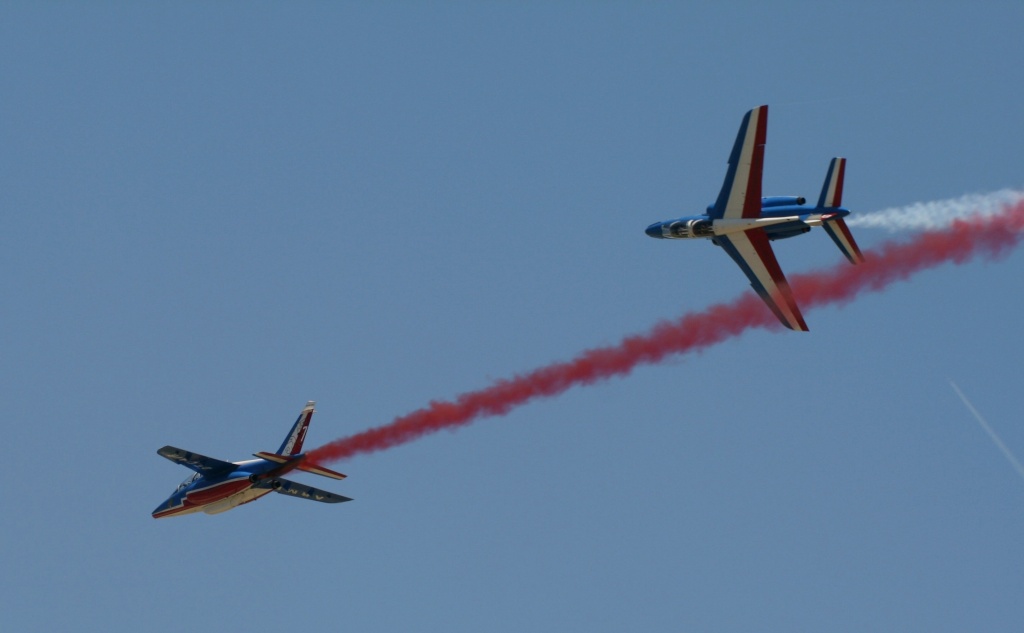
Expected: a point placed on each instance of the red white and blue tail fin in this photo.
(290, 454)
(292, 444)
(832, 190)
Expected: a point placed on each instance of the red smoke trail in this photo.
(992, 236)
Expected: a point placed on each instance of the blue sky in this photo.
(212, 214)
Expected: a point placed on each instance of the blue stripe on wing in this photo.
(740, 196)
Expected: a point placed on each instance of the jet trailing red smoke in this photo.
(992, 236)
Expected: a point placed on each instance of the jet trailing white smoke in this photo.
(938, 214)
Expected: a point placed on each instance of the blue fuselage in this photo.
(200, 492)
(800, 220)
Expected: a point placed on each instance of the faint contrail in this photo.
(991, 433)
(990, 236)
(927, 216)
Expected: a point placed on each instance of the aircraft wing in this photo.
(752, 251)
(199, 463)
(302, 491)
(740, 196)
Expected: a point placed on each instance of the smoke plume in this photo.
(938, 214)
(991, 235)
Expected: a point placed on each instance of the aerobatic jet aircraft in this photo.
(219, 486)
(744, 224)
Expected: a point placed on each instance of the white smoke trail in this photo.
(923, 216)
(988, 429)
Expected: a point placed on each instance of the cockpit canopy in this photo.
(691, 228)
(188, 482)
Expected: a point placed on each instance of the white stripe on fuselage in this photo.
(739, 225)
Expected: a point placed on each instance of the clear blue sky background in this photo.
(214, 212)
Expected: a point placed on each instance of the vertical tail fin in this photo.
(832, 190)
(292, 444)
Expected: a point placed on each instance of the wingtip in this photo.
(797, 325)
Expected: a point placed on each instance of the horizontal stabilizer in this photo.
(200, 463)
(294, 489)
(840, 234)
(320, 470)
(273, 457)
(309, 468)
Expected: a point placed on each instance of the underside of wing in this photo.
(200, 463)
(302, 491)
(752, 251)
(740, 196)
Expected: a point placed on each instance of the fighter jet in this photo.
(744, 224)
(219, 486)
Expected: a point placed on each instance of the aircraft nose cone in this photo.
(654, 230)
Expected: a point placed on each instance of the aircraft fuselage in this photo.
(781, 217)
(212, 495)
(742, 222)
(217, 486)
